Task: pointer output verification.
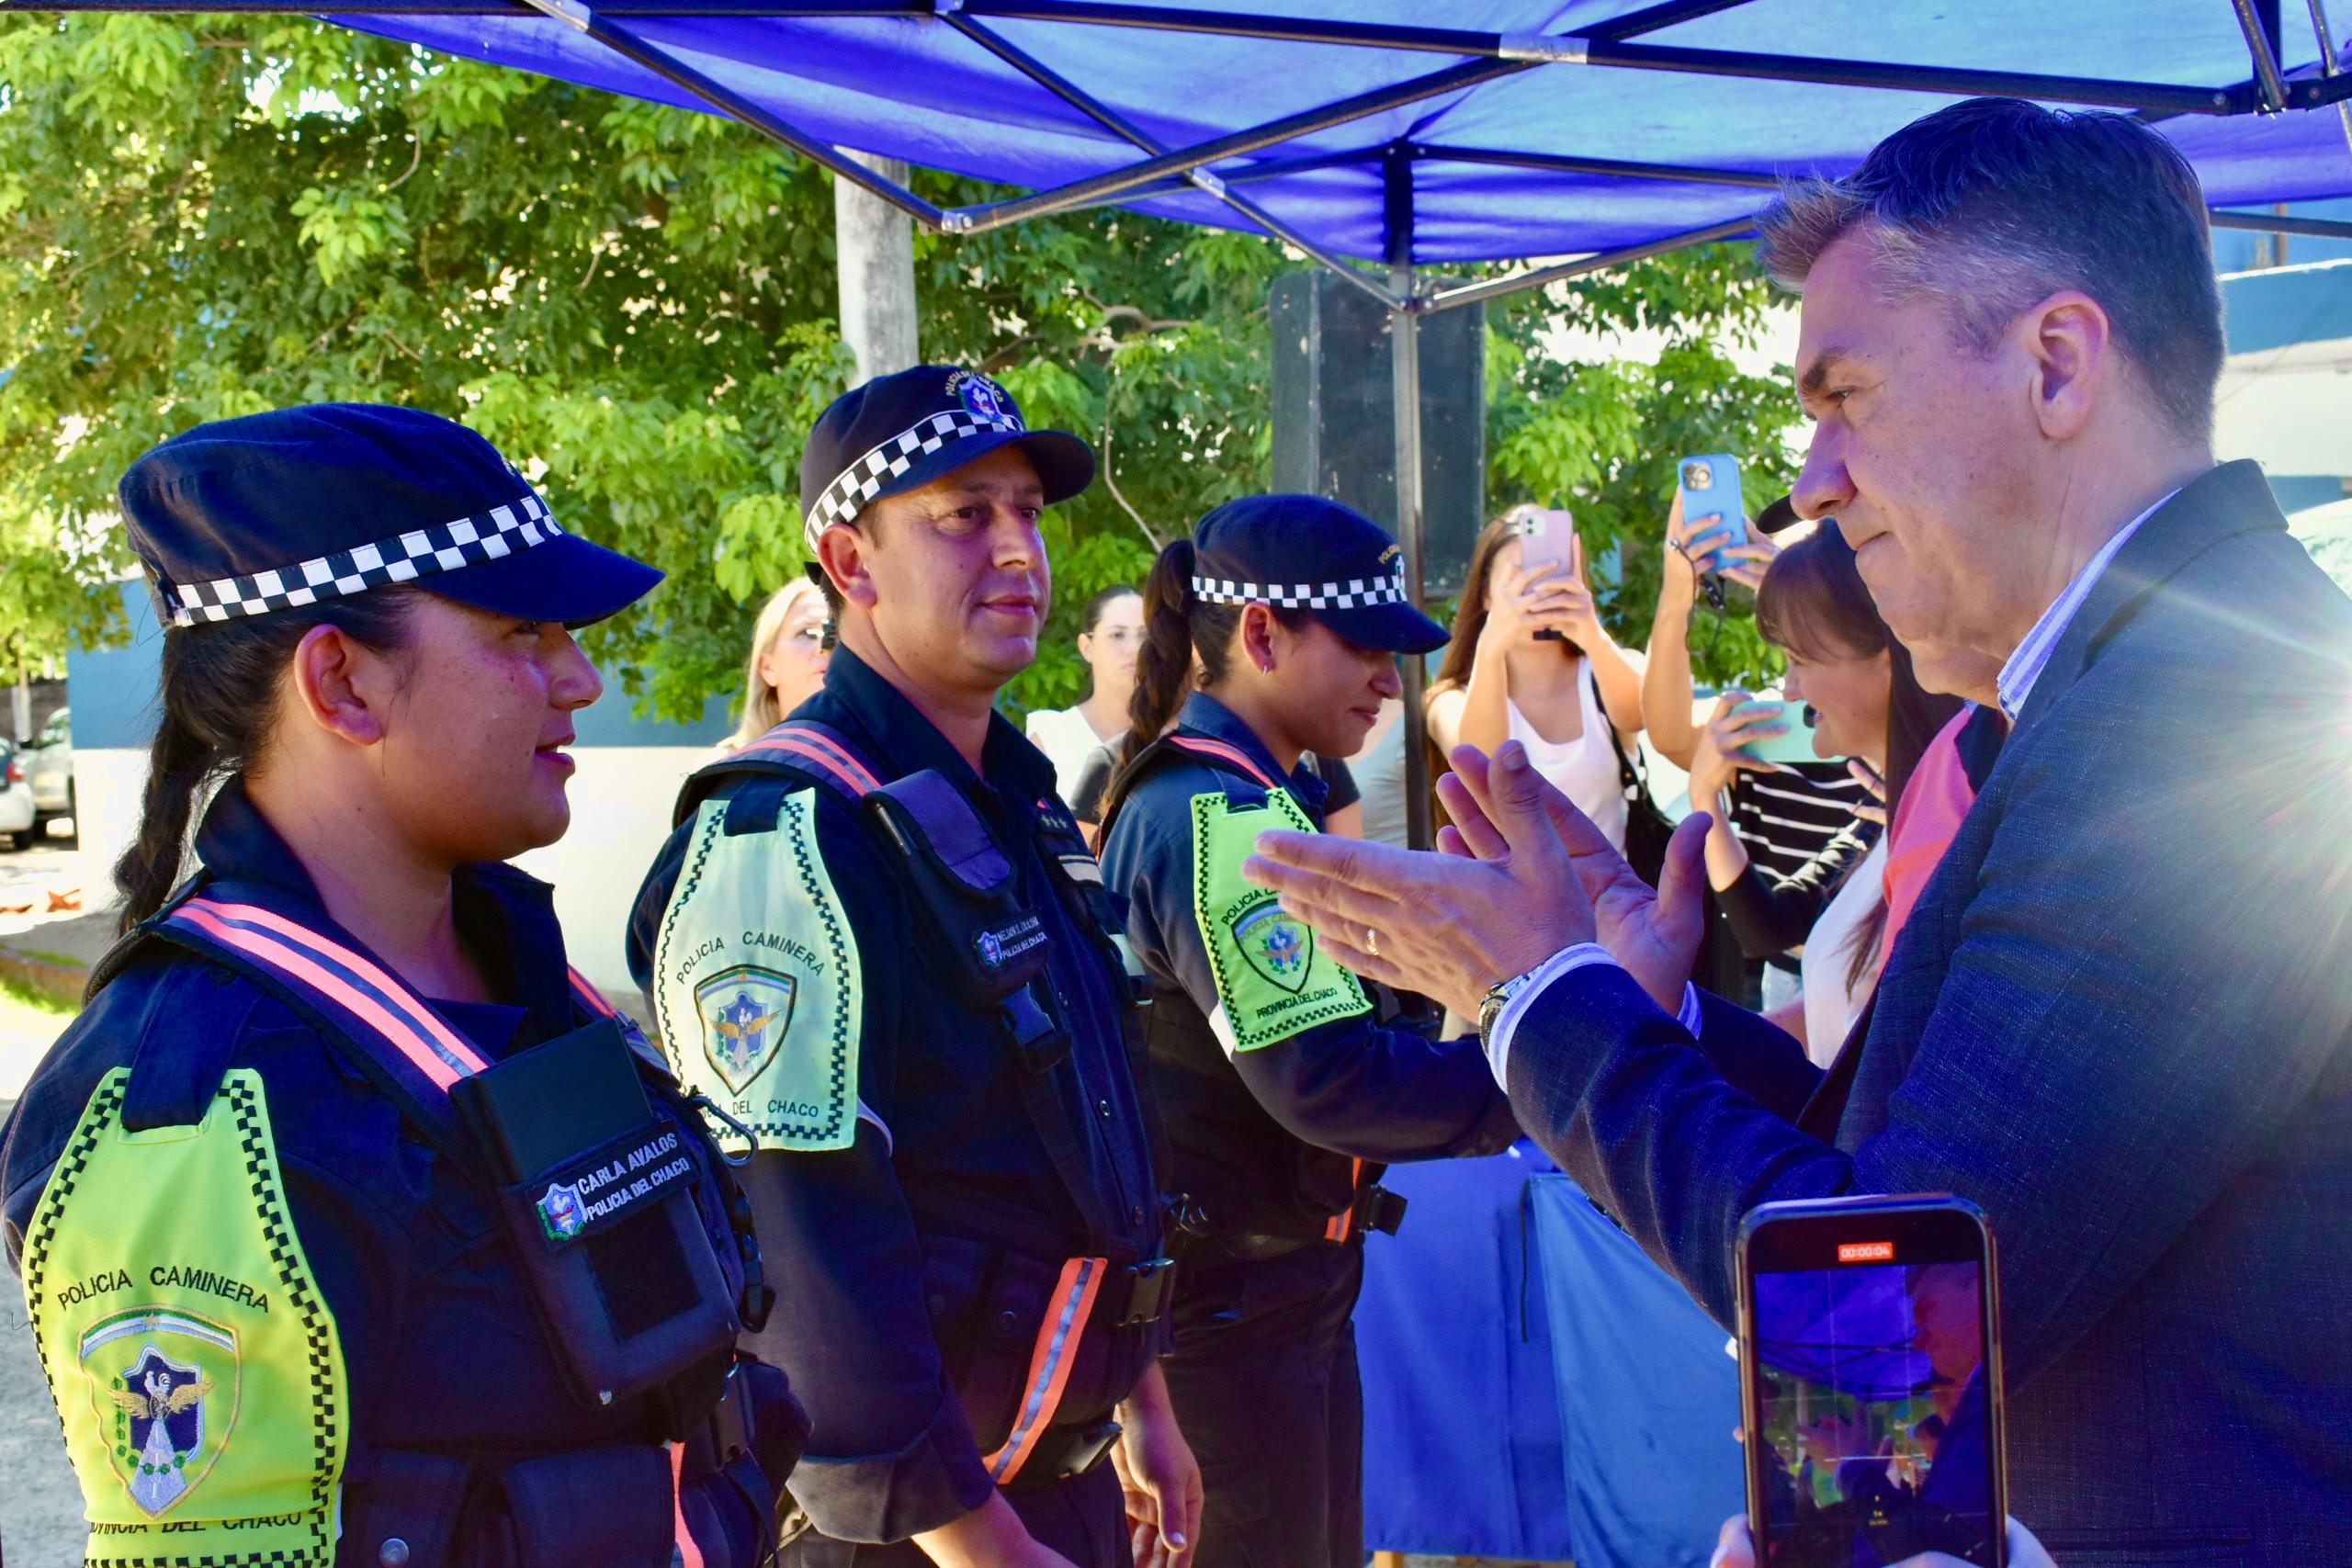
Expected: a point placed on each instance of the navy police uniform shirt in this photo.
(1343, 1083)
(450, 1376)
(878, 1248)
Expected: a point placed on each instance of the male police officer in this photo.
(877, 942)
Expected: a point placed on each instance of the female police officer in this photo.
(1266, 1055)
(353, 1229)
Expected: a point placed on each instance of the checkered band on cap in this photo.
(854, 486)
(498, 533)
(1355, 594)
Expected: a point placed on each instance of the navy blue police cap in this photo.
(1302, 552)
(280, 509)
(899, 433)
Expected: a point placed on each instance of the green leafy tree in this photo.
(202, 218)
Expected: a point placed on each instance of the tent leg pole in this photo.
(1404, 383)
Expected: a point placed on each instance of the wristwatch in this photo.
(1498, 996)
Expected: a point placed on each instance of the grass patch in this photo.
(64, 960)
(16, 995)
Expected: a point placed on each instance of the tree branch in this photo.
(1110, 480)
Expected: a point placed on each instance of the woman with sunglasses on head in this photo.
(1280, 1084)
(356, 1228)
(787, 664)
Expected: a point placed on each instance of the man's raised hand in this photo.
(1448, 925)
(1652, 932)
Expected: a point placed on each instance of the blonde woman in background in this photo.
(787, 664)
(1110, 633)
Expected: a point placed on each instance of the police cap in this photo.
(1302, 552)
(280, 510)
(899, 433)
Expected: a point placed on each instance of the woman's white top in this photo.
(1830, 1005)
(1066, 739)
(1585, 769)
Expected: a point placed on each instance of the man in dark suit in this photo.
(2121, 1017)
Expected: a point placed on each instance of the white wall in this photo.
(620, 813)
(2289, 409)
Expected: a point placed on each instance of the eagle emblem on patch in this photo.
(164, 1383)
(745, 1012)
(1276, 945)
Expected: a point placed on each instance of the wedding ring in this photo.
(1370, 942)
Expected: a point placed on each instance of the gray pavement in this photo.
(41, 1506)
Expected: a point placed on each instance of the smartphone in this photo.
(1547, 537)
(1793, 744)
(1870, 1370)
(1710, 485)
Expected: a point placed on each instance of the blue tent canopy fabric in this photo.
(1526, 158)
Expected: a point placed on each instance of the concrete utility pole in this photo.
(875, 244)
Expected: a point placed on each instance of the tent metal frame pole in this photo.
(1054, 83)
(1405, 396)
(2258, 19)
(2275, 223)
(2327, 65)
(1495, 288)
(631, 45)
(1607, 168)
(1454, 78)
(1599, 48)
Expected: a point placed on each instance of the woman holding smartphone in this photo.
(1845, 665)
(1278, 1080)
(1530, 661)
(317, 1278)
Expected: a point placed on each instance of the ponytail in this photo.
(219, 696)
(1164, 664)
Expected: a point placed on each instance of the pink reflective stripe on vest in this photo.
(1935, 798)
(792, 740)
(590, 996)
(430, 1045)
(1049, 1364)
(1201, 746)
(689, 1554)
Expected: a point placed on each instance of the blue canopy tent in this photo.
(1404, 134)
(1382, 138)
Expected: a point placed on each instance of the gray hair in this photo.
(1993, 204)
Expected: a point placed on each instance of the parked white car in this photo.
(17, 814)
(49, 768)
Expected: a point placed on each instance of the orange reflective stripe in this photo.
(430, 1045)
(593, 998)
(1201, 745)
(689, 1554)
(1342, 1224)
(794, 740)
(1049, 1364)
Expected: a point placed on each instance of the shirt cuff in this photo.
(1497, 1041)
(1567, 959)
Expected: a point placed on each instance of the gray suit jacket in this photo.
(2119, 1020)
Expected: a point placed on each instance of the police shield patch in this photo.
(164, 1386)
(1274, 944)
(745, 1012)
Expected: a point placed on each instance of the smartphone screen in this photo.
(1710, 487)
(1870, 1370)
